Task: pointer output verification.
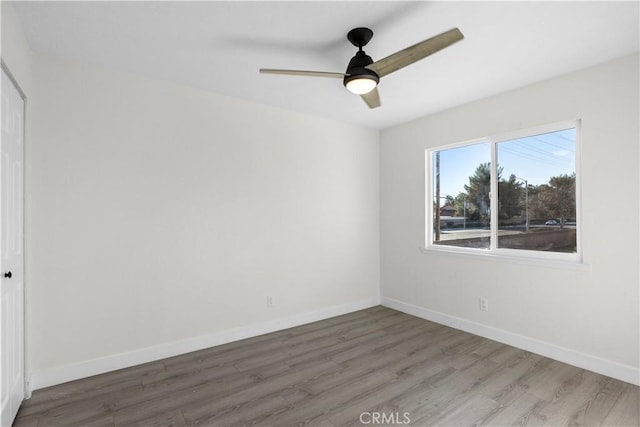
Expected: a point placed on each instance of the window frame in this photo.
(493, 250)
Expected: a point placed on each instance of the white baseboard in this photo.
(602, 366)
(61, 374)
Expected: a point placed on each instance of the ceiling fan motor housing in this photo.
(356, 68)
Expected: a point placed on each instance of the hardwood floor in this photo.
(372, 365)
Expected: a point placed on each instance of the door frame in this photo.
(5, 68)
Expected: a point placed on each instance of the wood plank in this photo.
(328, 373)
(389, 398)
(523, 410)
(626, 410)
(573, 401)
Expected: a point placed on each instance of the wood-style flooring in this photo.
(372, 367)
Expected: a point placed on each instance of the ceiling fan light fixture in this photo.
(361, 84)
(358, 79)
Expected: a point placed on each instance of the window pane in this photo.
(537, 192)
(461, 204)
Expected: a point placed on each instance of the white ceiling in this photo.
(219, 46)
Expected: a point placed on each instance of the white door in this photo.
(11, 246)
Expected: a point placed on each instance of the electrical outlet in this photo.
(484, 304)
(269, 301)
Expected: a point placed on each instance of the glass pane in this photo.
(461, 205)
(537, 192)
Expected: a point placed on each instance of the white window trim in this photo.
(552, 259)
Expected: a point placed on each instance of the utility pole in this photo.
(464, 213)
(526, 202)
(437, 203)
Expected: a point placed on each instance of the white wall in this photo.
(15, 50)
(162, 213)
(593, 315)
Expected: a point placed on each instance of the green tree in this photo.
(459, 202)
(537, 208)
(559, 197)
(510, 198)
(479, 189)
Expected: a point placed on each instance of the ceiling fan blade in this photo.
(302, 73)
(414, 53)
(372, 98)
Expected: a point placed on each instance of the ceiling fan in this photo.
(362, 74)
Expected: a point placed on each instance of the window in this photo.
(534, 179)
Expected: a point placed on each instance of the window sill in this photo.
(577, 265)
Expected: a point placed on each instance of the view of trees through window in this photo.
(536, 194)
